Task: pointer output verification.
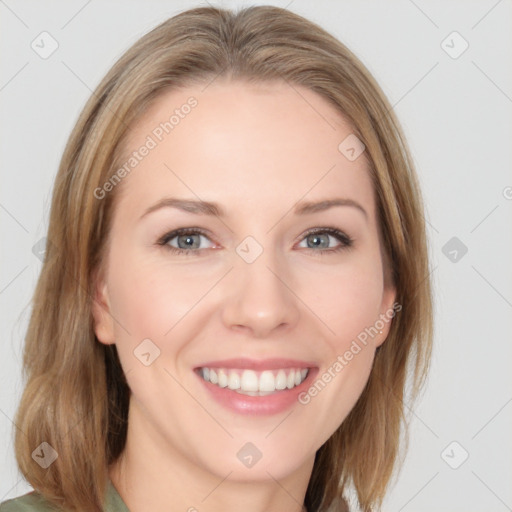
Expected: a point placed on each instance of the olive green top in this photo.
(34, 502)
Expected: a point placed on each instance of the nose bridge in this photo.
(259, 299)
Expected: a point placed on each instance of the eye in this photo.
(188, 241)
(321, 237)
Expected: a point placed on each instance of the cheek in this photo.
(358, 300)
(349, 307)
(151, 297)
(347, 298)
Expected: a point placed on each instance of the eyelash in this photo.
(346, 241)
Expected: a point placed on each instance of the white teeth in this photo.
(223, 378)
(249, 381)
(254, 383)
(234, 381)
(267, 381)
(280, 380)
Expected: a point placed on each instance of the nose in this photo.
(260, 298)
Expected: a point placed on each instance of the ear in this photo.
(387, 311)
(389, 306)
(103, 321)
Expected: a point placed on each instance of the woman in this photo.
(235, 284)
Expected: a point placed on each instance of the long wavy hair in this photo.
(76, 397)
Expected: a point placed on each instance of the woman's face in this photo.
(265, 291)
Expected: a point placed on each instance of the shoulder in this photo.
(30, 502)
(34, 502)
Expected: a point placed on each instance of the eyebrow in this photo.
(210, 208)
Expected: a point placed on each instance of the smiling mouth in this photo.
(254, 383)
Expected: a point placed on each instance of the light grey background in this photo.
(457, 115)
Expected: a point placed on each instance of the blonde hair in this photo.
(76, 397)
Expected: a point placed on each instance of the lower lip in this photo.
(258, 405)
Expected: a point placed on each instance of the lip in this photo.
(275, 403)
(244, 363)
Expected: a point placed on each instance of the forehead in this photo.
(243, 144)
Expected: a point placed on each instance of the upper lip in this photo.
(244, 363)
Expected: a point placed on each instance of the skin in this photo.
(256, 150)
